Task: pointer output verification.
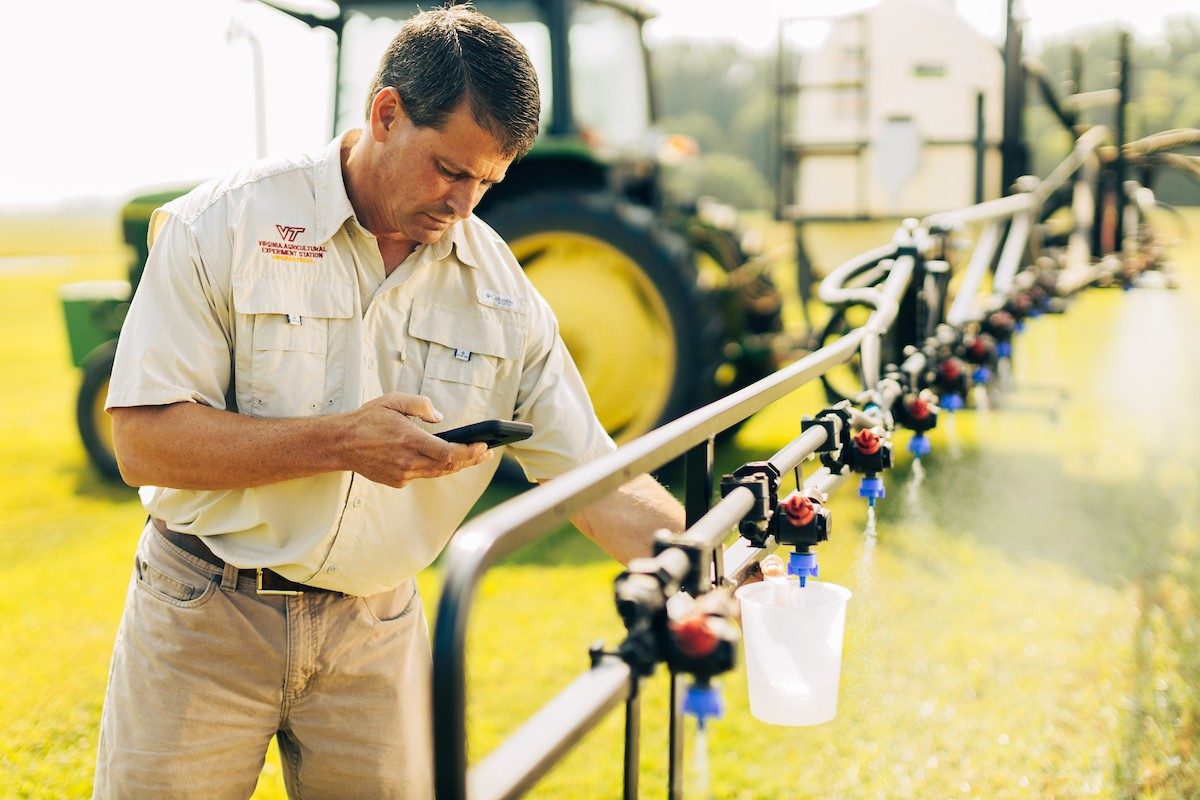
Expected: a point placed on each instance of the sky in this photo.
(106, 98)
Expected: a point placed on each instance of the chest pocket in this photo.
(472, 359)
(284, 361)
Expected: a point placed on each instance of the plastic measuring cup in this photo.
(794, 651)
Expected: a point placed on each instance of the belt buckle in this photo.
(260, 590)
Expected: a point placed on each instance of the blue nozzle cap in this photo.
(872, 488)
(803, 565)
(1004, 349)
(982, 375)
(952, 402)
(1035, 312)
(703, 701)
(919, 445)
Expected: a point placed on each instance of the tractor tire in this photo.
(95, 427)
(646, 335)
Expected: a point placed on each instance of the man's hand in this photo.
(385, 446)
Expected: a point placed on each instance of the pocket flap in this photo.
(493, 332)
(308, 296)
(443, 366)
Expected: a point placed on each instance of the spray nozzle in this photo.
(919, 445)
(872, 488)
(917, 412)
(798, 508)
(803, 565)
(702, 701)
(867, 442)
(801, 520)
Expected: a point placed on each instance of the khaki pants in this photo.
(205, 671)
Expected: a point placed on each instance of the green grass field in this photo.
(1025, 626)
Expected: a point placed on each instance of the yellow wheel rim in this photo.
(101, 422)
(612, 319)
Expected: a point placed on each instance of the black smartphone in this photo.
(493, 432)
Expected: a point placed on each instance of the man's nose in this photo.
(463, 198)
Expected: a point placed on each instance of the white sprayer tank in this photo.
(886, 113)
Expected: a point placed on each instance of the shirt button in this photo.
(357, 502)
(403, 358)
(332, 568)
(370, 363)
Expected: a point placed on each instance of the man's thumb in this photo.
(415, 406)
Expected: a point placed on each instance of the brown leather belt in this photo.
(269, 581)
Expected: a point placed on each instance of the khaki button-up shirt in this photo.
(265, 282)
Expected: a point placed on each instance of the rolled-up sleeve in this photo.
(552, 397)
(176, 342)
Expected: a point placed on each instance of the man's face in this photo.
(429, 178)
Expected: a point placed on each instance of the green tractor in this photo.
(662, 307)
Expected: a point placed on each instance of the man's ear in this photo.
(387, 111)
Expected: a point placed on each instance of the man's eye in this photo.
(451, 175)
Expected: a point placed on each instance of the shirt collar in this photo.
(333, 204)
(334, 208)
(456, 239)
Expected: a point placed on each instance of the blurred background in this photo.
(97, 113)
(1026, 626)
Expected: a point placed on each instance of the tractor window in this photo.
(608, 78)
(366, 37)
(536, 38)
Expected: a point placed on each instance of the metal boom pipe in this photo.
(981, 259)
(533, 749)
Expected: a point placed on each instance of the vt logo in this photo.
(287, 233)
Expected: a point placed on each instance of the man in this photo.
(300, 328)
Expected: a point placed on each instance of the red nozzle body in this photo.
(799, 508)
(695, 637)
(918, 408)
(867, 441)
